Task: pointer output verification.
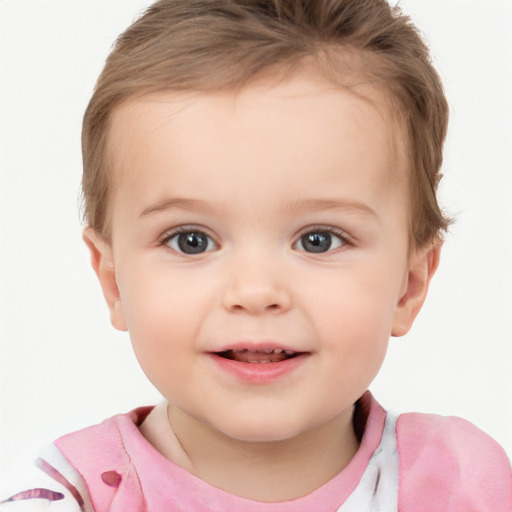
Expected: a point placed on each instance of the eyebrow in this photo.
(295, 207)
(174, 202)
(332, 204)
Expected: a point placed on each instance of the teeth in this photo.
(260, 355)
(264, 350)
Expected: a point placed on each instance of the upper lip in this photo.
(266, 346)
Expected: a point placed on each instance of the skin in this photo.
(255, 171)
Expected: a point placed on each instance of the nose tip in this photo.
(256, 297)
(255, 281)
(255, 306)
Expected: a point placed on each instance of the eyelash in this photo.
(342, 235)
(345, 238)
(169, 235)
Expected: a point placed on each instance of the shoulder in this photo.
(106, 438)
(51, 484)
(448, 464)
(83, 470)
(101, 454)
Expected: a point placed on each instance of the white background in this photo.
(63, 366)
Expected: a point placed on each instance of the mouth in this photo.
(258, 363)
(268, 355)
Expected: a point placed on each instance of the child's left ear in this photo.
(423, 264)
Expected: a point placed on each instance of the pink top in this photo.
(468, 469)
(149, 481)
(413, 463)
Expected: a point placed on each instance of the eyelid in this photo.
(187, 228)
(340, 233)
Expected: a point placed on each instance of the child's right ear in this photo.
(102, 261)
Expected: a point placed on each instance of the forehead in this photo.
(302, 130)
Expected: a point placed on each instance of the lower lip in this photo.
(259, 372)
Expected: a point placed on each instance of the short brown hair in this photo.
(209, 45)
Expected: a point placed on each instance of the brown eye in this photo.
(191, 242)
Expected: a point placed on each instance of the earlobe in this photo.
(102, 262)
(423, 264)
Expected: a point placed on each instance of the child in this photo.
(259, 183)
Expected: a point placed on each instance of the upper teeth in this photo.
(264, 350)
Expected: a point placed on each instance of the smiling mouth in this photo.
(271, 355)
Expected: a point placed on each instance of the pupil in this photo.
(192, 243)
(316, 242)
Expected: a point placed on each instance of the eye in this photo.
(319, 240)
(190, 242)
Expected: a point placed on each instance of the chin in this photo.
(262, 431)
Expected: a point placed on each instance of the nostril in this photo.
(255, 299)
(270, 307)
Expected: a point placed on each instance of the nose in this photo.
(256, 288)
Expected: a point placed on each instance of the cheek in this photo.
(356, 300)
(153, 294)
(162, 316)
(356, 342)
(358, 329)
(354, 316)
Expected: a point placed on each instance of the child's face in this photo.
(271, 219)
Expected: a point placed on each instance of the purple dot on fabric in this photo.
(112, 478)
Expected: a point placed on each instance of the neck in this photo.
(267, 471)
